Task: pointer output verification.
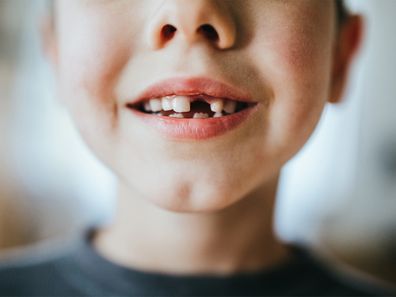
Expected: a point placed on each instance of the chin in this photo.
(192, 186)
(191, 196)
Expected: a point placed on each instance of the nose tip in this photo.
(193, 21)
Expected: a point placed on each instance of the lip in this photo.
(192, 86)
(193, 129)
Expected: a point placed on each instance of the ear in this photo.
(348, 42)
(48, 40)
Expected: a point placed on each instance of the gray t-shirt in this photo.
(81, 271)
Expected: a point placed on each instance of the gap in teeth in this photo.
(191, 106)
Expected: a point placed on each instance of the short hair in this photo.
(341, 12)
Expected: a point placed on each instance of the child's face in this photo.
(106, 52)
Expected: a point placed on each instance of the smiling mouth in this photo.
(192, 108)
(195, 106)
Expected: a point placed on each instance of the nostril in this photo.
(168, 31)
(209, 32)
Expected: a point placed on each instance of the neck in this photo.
(239, 238)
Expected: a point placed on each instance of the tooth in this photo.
(177, 115)
(167, 103)
(200, 115)
(147, 106)
(155, 104)
(159, 113)
(217, 105)
(218, 114)
(229, 106)
(181, 104)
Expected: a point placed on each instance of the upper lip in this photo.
(192, 86)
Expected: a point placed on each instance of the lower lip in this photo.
(195, 129)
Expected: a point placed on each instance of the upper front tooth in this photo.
(167, 103)
(217, 105)
(147, 106)
(181, 104)
(155, 104)
(229, 106)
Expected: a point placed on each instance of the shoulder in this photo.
(33, 273)
(324, 278)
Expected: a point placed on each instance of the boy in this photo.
(195, 106)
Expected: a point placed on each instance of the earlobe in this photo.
(348, 43)
(48, 40)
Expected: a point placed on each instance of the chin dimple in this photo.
(191, 107)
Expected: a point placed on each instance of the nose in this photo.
(210, 21)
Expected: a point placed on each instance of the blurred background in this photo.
(338, 195)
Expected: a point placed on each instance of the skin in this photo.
(198, 206)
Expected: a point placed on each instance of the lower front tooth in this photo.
(177, 115)
(200, 115)
(155, 104)
(218, 114)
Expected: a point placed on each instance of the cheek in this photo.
(296, 66)
(93, 65)
(91, 58)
